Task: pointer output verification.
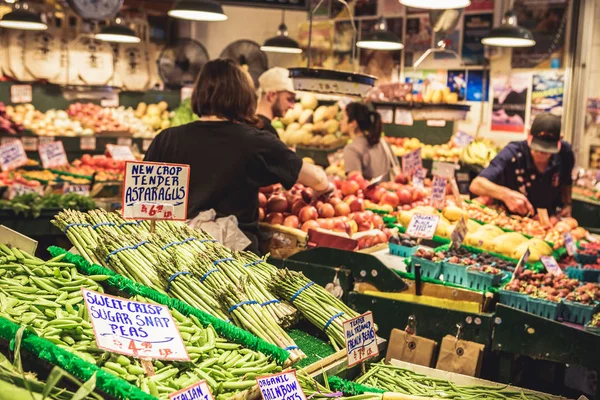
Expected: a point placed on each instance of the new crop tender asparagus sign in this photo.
(156, 190)
(141, 330)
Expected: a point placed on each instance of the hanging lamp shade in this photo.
(380, 38)
(117, 34)
(509, 34)
(281, 43)
(23, 19)
(436, 4)
(198, 10)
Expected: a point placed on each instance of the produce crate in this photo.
(583, 275)
(514, 299)
(402, 251)
(481, 281)
(544, 308)
(578, 313)
(430, 269)
(455, 273)
(585, 258)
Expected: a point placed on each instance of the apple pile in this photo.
(95, 117)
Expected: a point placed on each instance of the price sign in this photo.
(186, 93)
(544, 218)
(87, 143)
(455, 192)
(124, 142)
(46, 140)
(387, 114)
(419, 178)
(198, 391)
(423, 226)
(29, 143)
(282, 386)
(120, 153)
(12, 155)
(403, 117)
(411, 162)
(146, 144)
(551, 265)
(462, 139)
(519, 268)
(53, 155)
(569, 243)
(436, 123)
(459, 233)
(21, 94)
(134, 329)
(443, 169)
(18, 189)
(6, 140)
(361, 340)
(438, 192)
(111, 101)
(83, 190)
(156, 191)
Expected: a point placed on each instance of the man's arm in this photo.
(515, 201)
(566, 192)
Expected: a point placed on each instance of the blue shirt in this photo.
(513, 168)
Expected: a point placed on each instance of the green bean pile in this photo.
(315, 390)
(404, 381)
(46, 296)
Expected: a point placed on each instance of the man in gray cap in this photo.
(533, 173)
(276, 96)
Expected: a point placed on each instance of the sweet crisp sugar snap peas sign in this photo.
(198, 391)
(361, 340)
(140, 330)
(282, 386)
(156, 190)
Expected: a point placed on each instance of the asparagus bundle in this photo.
(79, 232)
(315, 303)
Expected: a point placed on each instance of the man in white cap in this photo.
(276, 96)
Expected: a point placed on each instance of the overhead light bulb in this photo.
(22, 18)
(436, 4)
(117, 34)
(380, 38)
(198, 10)
(509, 34)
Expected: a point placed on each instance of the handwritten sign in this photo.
(83, 190)
(120, 153)
(423, 226)
(419, 178)
(162, 186)
(198, 391)
(124, 142)
(387, 114)
(544, 218)
(9, 139)
(87, 143)
(443, 169)
(12, 155)
(551, 265)
(455, 192)
(436, 123)
(458, 234)
(46, 140)
(403, 117)
(29, 143)
(18, 189)
(284, 386)
(411, 162)
(140, 330)
(21, 94)
(361, 340)
(569, 243)
(519, 268)
(111, 101)
(186, 93)
(438, 192)
(53, 155)
(462, 139)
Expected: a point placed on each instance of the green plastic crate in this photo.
(402, 251)
(481, 281)
(455, 273)
(514, 299)
(578, 313)
(430, 269)
(583, 275)
(544, 308)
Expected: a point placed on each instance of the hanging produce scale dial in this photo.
(96, 9)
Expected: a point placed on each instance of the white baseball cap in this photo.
(276, 79)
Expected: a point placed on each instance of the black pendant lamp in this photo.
(22, 18)
(380, 38)
(117, 33)
(509, 34)
(281, 43)
(198, 10)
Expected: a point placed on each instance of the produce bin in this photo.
(544, 308)
(514, 299)
(583, 275)
(585, 259)
(481, 281)
(430, 269)
(402, 251)
(578, 313)
(455, 273)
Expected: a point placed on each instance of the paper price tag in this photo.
(198, 391)
(361, 339)
(387, 114)
(544, 218)
(6, 140)
(18, 189)
(423, 226)
(282, 386)
(120, 153)
(455, 192)
(438, 192)
(12, 155)
(411, 162)
(124, 142)
(87, 143)
(134, 329)
(443, 169)
(111, 101)
(29, 143)
(462, 139)
(551, 265)
(83, 190)
(146, 144)
(45, 140)
(53, 155)
(155, 191)
(21, 94)
(403, 117)
(459, 233)
(436, 123)
(419, 178)
(569, 243)
(186, 93)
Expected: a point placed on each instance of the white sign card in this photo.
(436, 123)
(87, 143)
(403, 117)
(46, 140)
(281, 386)
(186, 93)
(124, 142)
(411, 162)
(387, 114)
(120, 153)
(551, 265)
(12, 155)
(135, 329)
(458, 234)
(443, 169)
(83, 190)
(462, 139)
(361, 339)
(155, 190)
(21, 94)
(419, 178)
(438, 192)
(18, 189)
(8, 139)
(569, 243)
(53, 155)
(423, 226)
(198, 391)
(111, 101)
(29, 143)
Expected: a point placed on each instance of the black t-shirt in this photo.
(266, 125)
(228, 163)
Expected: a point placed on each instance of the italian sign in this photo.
(551, 265)
(120, 152)
(198, 391)
(411, 161)
(12, 155)
(140, 330)
(282, 386)
(53, 155)
(361, 340)
(156, 190)
(423, 226)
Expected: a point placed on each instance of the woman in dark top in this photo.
(229, 158)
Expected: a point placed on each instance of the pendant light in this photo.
(436, 4)
(281, 43)
(117, 33)
(22, 18)
(509, 34)
(380, 38)
(198, 10)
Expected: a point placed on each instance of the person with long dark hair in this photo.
(367, 153)
(229, 158)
